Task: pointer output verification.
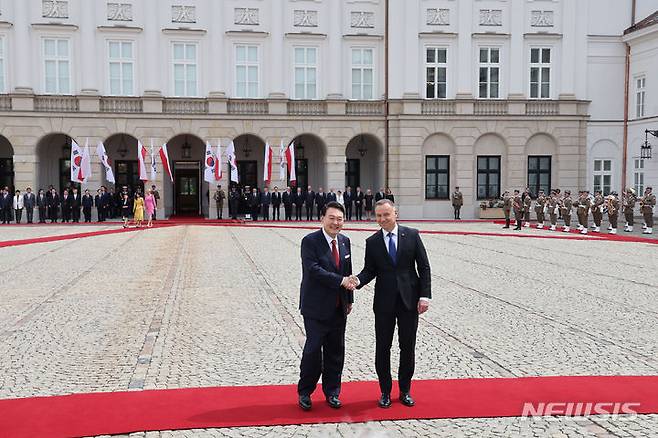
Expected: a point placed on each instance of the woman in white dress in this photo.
(339, 198)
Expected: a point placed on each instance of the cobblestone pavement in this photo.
(192, 306)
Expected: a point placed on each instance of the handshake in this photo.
(351, 282)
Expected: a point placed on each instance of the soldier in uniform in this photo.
(597, 210)
(629, 207)
(517, 205)
(612, 204)
(527, 204)
(582, 205)
(540, 209)
(457, 202)
(552, 205)
(567, 203)
(647, 204)
(507, 207)
(219, 197)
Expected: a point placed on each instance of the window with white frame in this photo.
(540, 73)
(246, 71)
(436, 72)
(185, 69)
(640, 84)
(363, 86)
(57, 66)
(121, 68)
(2, 65)
(306, 72)
(603, 176)
(638, 176)
(489, 74)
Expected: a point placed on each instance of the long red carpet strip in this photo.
(126, 412)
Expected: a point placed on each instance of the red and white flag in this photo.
(77, 172)
(154, 168)
(267, 164)
(141, 158)
(290, 160)
(282, 162)
(211, 164)
(220, 164)
(86, 162)
(164, 158)
(230, 156)
(105, 161)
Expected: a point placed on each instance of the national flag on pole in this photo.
(290, 160)
(267, 164)
(105, 161)
(282, 162)
(211, 163)
(141, 158)
(154, 169)
(230, 155)
(220, 164)
(77, 173)
(164, 158)
(86, 162)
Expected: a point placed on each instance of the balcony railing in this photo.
(307, 107)
(121, 105)
(184, 106)
(490, 107)
(56, 103)
(365, 108)
(542, 108)
(438, 107)
(240, 106)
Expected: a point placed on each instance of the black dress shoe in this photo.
(334, 402)
(406, 399)
(305, 402)
(384, 401)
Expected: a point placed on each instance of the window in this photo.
(638, 176)
(353, 173)
(246, 72)
(540, 73)
(603, 176)
(437, 176)
(436, 73)
(306, 72)
(2, 66)
(363, 86)
(640, 84)
(126, 173)
(539, 174)
(121, 68)
(56, 59)
(489, 73)
(185, 69)
(488, 179)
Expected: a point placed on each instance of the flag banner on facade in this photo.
(219, 172)
(77, 173)
(267, 164)
(105, 161)
(290, 160)
(141, 158)
(164, 158)
(154, 169)
(86, 162)
(230, 156)
(210, 164)
(282, 161)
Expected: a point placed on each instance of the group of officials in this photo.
(396, 258)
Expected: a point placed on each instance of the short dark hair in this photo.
(332, 204)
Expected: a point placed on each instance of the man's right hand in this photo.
(350, 283)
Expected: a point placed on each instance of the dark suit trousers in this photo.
(324, 354)
(407, 322)
(309, 212)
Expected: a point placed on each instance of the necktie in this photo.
(334, 254)
(391, 248)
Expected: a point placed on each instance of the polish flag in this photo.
(154, 169)
(105, 161)
(282, 162)
(220, 164)
(141, 158)
(210, 165)
(267, 164)
(164, 158)
(86, 162)
(290, 160)
(230, 155)
(77, 173)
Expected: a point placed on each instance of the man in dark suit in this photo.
(401, 293)
(288, 198)
(253, 201)
(276, 204)
(325, 302)
(310, 202)
(358, 203)
(42, 204)
(331, 196)
(320, 200)
(53, 206)
(29, 202)
(87, 203)
(76, 202)
(298, 199)
(6, 204)
(348, 199)
(380, 195)
(265, 201)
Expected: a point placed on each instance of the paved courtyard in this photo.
(191, 306)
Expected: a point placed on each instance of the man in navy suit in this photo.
(326, 299)
(401, 293)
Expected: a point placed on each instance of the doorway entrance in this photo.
(187, 189)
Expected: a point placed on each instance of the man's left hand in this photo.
(423, 306)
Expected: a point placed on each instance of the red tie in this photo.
(334, 253)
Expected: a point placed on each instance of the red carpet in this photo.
(43, 239)
(126, 412)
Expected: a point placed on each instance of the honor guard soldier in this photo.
(527, 204)
(507, 207)
(582, 210)
(540, 209)
(597, 210)
(647, 205)
(629, 209)
(612, 204)
(457, 202)
(552, 207)
(517, 206)
(567, 203)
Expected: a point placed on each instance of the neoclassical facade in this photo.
(485, 95)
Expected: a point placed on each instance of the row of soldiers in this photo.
(557, 205)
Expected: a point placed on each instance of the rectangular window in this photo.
(436, 73)
(603, 176)
(488, 177)
(246, 72)
(2, 66)
(121, 68)
(437, 176)
(540, 73)
(185, 69)
(640, 86)
(363, 85)
(56, 59)
(306, 72)
(489, 84)
(539, 174)
(638, 176)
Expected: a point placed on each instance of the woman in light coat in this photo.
(18, 206)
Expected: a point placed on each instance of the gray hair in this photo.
(385, 202)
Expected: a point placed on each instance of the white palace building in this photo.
(416, 95)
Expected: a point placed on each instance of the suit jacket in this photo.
(265, 198)
(288, 198)
(299, 199)
(42, 202)
(310, 198)
(331, 197)
(401, 278)
(29, 200)
(276, 199)
(358, 198)
(320, 277)
(379, 196)
(348, 198)
(87, 201)
(320, 199)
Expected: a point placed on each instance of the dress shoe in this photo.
(334, 402)
(305, 402)
(384, 401)
(406, 399)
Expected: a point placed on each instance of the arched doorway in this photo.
(188, 194)
(364, 164)
(6, 164)
(310, 162)
(250, 157)
(54, 162)
(122, 150)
